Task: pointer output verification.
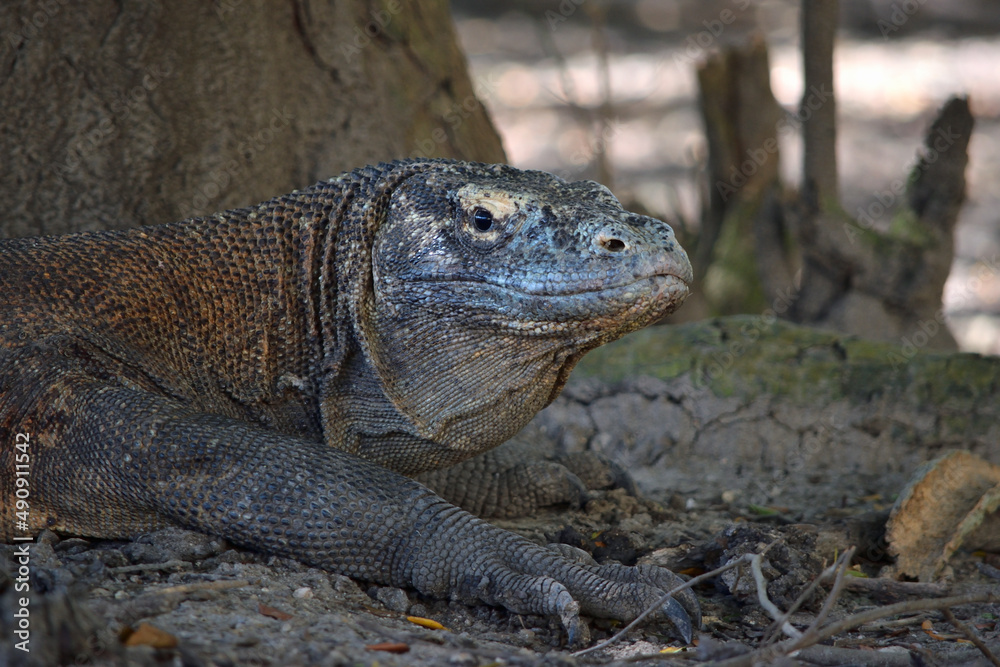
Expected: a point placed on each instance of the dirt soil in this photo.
(228, 606)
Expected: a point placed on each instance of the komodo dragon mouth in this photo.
(650, 293)
(665, 274)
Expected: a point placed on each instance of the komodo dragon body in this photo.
(270, 374)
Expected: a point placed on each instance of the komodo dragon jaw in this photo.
(245, 374)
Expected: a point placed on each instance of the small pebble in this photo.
(393, 598)
(304, 593)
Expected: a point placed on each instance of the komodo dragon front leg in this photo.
(271, 375)
(142, 461)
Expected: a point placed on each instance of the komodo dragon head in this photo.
(488, 284)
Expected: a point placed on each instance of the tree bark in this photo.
(819, 105)
(741, 260)
(117, 114)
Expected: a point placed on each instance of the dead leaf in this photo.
(928, 627)
(426, 622)
(148, 635)
(950, 503)
(273, 613)
(389, 647)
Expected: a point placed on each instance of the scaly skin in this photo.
(270, 374)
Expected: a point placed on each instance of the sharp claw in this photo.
(577, 632)
(666, 580)
(689, 601)
(675, 611)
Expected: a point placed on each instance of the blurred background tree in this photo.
(115, 114)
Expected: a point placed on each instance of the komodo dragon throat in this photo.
(270, 374)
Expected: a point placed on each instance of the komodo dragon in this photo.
(270, 374)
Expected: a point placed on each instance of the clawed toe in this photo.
(677, 614)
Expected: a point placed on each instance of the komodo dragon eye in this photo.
(483, 219)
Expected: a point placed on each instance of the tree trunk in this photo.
(741, 260)
(857, 276)
(819, 106)
(117, 114)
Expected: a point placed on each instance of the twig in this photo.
(810, 638)
(660, 602)
(973, 636)
(745, 558)
(222, 584)
(881, 586)
(880, 626)
(902, 608)
(834, 594)
(146, 567)
(809, 590)
(771, 608)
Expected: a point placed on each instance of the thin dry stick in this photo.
(770, 607)
(789, 646)
(846, 624)
(834, 594)
(973, 636)
(746, 558)
(897, 588)
(219, 585)
(146, 567)
(843, 561)
(659, 603)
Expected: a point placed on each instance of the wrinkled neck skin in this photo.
(430, 389)
(429, 385)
